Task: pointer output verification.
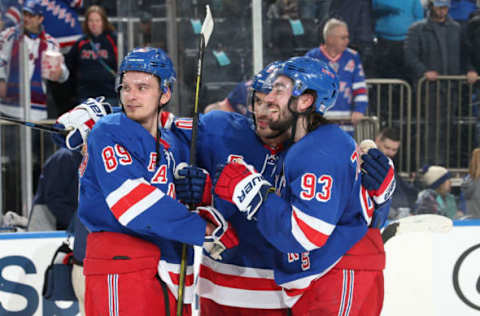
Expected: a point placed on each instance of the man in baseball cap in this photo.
(33, 7)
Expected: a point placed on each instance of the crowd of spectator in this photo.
(389, 36)
(360, 39)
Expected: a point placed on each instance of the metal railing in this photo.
(440, 127)
(390, 100)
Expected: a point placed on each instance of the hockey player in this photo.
(127, 199)
(242, 282)
(328, 263)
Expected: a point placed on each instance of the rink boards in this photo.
(427, 273)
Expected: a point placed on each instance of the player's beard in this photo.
(285, 119)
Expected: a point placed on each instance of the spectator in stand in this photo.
(358, 16)
(37, 42)
(403, 199)
(460, 10)
(315, 9)
(236, 101)
(436, 198)
(472, 40)
(55, 201)
(285, 9)
(392, 20)
(93, 58)
(432, 47)
(471, 185)
(352, 100)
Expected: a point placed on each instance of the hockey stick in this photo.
(46, 128)
(206, 31)
(418, 223)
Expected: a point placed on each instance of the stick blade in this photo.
(207, 26)
(418, 223)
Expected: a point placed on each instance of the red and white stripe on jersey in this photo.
(184, 123)
(360, 92)
(132, 198)
(309, 231)
(368, 207)
(170, 274)
(238, 286)
(113, 295)
(294, 290)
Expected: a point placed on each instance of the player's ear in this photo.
(305, 101)
(165, 97)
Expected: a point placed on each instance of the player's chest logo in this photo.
(161, 171)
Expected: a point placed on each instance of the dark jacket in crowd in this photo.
(426, 49)
(58, 185)
(90, 76)
(472, 40)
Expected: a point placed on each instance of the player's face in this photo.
(388, 147)
(95, 23)
(338, 39)
(32, 23)
(281, 118)
(141, 96)
(262, 120)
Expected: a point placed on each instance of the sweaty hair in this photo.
(107, 26)
(474, 168)
(330, 25)
(390, 133)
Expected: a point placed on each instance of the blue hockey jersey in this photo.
(322, 212)
(352, 94)
(124, 189)
(244, 277)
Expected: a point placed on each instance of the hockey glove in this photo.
(240, 184)
(223, 237)
(193, 185)
(80, 120)
(378, 176)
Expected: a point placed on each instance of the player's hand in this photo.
(378, 176)
(239, 183)
(193, 185)
(80, 120)
(223, 236)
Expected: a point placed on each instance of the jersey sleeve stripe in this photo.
(131, 199)
(361, 98)
(360, 85)
(312, 235)
(360, 91)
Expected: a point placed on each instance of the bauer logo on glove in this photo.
(242, 185)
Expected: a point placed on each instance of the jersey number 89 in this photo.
(111, 158)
